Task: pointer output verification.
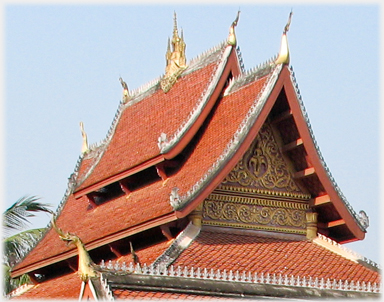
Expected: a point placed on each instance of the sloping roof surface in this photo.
(250, 253)
(62, 288)
(141, 123)
(153, 201)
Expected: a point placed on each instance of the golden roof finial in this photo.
(283, 57)
(175, 58)
(84, 147)
(232, 37)
(125, 90)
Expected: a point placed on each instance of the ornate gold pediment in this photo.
(263, 166)
(259, 193)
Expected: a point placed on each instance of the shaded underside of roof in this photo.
(250, 253)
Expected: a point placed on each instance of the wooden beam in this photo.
(282, 116)
(304, 173)
(292, 145)
(335, 223)
(320, 200)
(161, 171)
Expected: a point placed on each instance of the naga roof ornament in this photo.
(283, 57)
(84, 147)
(175, 59)
(232, 37)
(87, 268)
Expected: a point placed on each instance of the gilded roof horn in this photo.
(232, 36)
(283, 57)
(84, 147)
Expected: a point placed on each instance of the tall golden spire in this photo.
(283, 57)
(232, 37)
(175, 58)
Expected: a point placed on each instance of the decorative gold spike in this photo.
(84, 147)
(86, 267)
(175, 59)
(125, 90)
(232, 37)
(283, 57)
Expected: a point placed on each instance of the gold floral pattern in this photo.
(254, 214)
(263, 166)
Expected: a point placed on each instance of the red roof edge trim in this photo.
(119, 176)
(354, 223)
(241, 140)
(203, 107)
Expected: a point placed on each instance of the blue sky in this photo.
(63, 63)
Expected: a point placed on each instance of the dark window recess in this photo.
(106, 193)
(142, 179)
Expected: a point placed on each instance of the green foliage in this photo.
(16, 216)
(17, 246)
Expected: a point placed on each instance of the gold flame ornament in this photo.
(283, 57)
(232, 36)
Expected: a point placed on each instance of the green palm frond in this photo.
(16, 246)
(16, 216)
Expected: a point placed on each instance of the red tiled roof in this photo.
(250, 253)
(126, 294)
(140, 125)
(64, 287)
(153, 201)
(148, 254)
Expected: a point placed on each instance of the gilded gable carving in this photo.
(255, 213)
(263, 166)
(259, 193)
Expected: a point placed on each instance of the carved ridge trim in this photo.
(258, 201)
(255, 227)
(265, 192)
(254, 214)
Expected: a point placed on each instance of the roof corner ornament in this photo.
(86, 269)
(364, 219)
(283, 57)
(174, 198)
(84, 147)
(125, 90)
(232, 36)
(175, 59)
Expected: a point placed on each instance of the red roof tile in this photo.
(152, 201)
(126, 294)
(65, 287)
(140, 125)
(255, 254)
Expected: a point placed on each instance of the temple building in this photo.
(208, 185)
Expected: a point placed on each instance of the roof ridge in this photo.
(343, 251)
(250, 75)
(206, 53)
(362, 220)
(166, 142)
(247, 277)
